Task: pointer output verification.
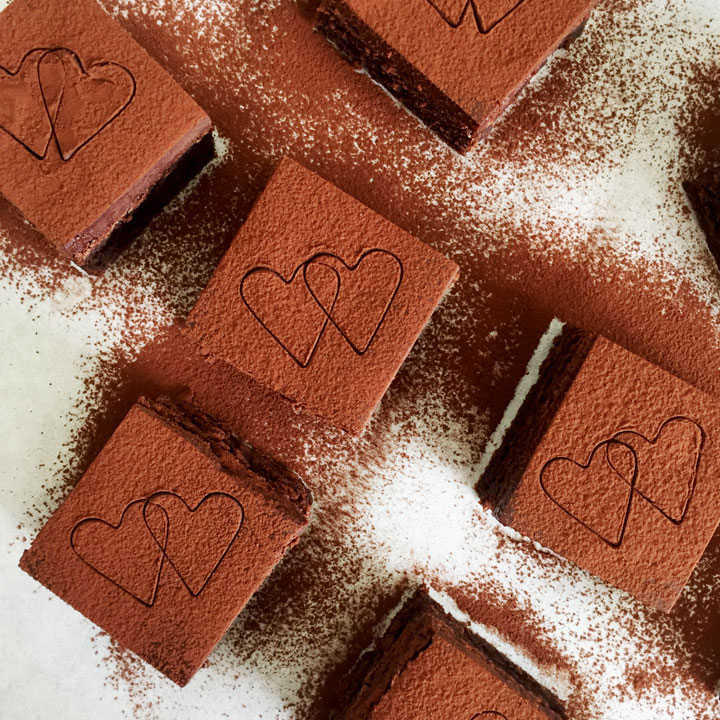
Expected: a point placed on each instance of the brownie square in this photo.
(89, 123)
(169, 533)
(319, 298)
(704, 195)
(614, 464)
(456, 64)
(429, 665)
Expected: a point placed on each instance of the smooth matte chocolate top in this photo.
(85, 114)
(625, 480)
(478, 52)
(428, 665)
(166, 537)
(320, 298)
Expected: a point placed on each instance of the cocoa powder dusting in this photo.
(572, 207)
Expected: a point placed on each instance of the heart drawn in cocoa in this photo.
(488, 14)
(198, 538)
(25, 114)
(53, 96)
(595, 493)
(125, 554)
(489, 715)
(287, 311)
(668, 463)
(92, 98)
(367, 289)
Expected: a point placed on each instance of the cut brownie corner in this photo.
(365, 49)
(514, 676)
(414, 628)
(233, 454)
(532, 418)
(100, 244)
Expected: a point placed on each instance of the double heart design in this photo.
(52, 97)
(660, 470)
(488, 14)
(324, 291)
(156, 530)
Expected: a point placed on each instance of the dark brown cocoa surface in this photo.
(622, 477)
(573, 207)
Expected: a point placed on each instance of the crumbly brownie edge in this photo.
(365, 49)
(507, 465)
(233, 454)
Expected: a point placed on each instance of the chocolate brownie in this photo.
(429, 665)
(704, 194)
(169, 533)
(456, 64)
(89, 123)
(319, 298)
(614, 464)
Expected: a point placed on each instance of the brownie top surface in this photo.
(85, 113)
(478, 52)
(319, 297)
(159, 545)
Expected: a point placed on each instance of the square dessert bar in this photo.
(319, 298)
(614, 464)
(704, 195)
(169, 533)
(89, 123)
(429, 665)
(456, 64)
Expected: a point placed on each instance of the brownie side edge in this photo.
(704, 195)
(507, 465)
(372, 675)
(362, 47)
(233, 454)
(86, 247)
